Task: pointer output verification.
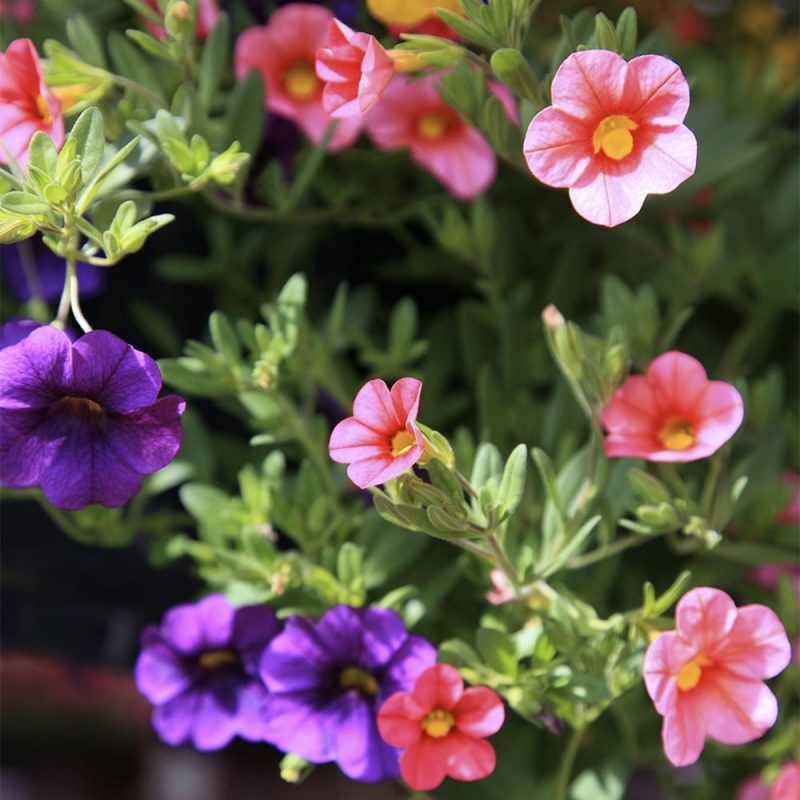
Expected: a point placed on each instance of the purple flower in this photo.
(15, 330)
(327, 680)
(200, 670)
(82, 420)
(45, 277)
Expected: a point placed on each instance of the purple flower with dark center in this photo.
(200, 669)
(44, 275)
(327, 680)
(83, 421)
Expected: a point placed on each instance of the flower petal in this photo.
(160, 673)
(678, 382)
(469, 759)
(479, 712)
(757, 646)
(589, 85)
(657, 90)
(254, 627)
(298, 722)
(704, 617)
(424, 765)
(662, 662)
(373, 406)
(557, 147)
(720, 412)
(351, 440)
(399, 720)
(667, 158)
(405, 399)
(413, 657)
(607, 194)
(383, 634)
(683, 733)
(174, 720)
(296, 659)
(440, 686)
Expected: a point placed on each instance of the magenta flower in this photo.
(355, 69)
(671, 413)
(381, 440)
(412, 114)
(327, 680)
(83, 421)
(787, 783)
(199, 668)
(706, 677)
(614, 133)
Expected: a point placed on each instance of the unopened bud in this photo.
(179, 20)
(552, 317)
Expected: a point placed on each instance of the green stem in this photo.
(137, 88)
(309, 169)
(503, 563)
(623, 543)
(567, 762)
(74, 299)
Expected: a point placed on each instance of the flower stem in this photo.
(137, 88)
(567, 762)
(503, 563)
(623, 543)
(74, 299)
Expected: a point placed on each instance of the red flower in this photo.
(441, 727)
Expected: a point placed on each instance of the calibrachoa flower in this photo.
(355, 68)
(284, 51)
(381, 440)
(614, 133)
(199, 668)
(672, 412)
(207, 15)
(26, 104)
(412, 114)
(83, 421)
(326, 681)
(441, 727)
(786, 785)
(706, 677)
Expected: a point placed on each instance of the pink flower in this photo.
(207, 14)
(752, 788)
(22, 11)
(355, 68)
(381, 440)
(26, 104)
(613, 134)
(412, 114)
(502, 590)
(706, 677)
(787, 784)
(671, 413)
(441, 727)
(285, 52)
(769, 575)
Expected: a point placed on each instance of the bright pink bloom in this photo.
(355, 68)
(614, 133)
(285, 52)
(412, 114)
(441, 727)
(787, 785)
(207, 14)
(381, 440)
(26, 104)
(672, 412)
(22, 11)
(706, 677)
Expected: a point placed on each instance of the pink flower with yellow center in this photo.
(26, 104)
(671, 413)
(284, 51)
(355, 69)
(412, 114)
(614, 133)
(381, 440)
(706, 678)
(442, 728)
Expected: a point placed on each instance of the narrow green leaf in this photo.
(23, 203)
(84, 41)
(512, 485)
(627, 32)
(88, 194)
(244, 114)
(89, 137)
(224, 337)
(214, 59)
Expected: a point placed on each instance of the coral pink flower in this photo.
(412, 114)
(207, 14)
(355, 68)
(614, 133)
(442, 728)
(26, 104)
(706, 677)
(381, 440)
(285, 52)
(672, 412)
(787, 784)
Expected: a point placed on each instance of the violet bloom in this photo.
(200, 669)
(82, 421)
(327, 680)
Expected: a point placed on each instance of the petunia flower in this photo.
(381, 440)
(412, 114)
(326, 681)
(199, 668)
(26, 104)
(706, 677)
(355, 69)
(284, 51)
(83, 421)
(671, 413)
(207, 15)
(614, 133)
(441, 728)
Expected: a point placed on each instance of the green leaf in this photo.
(96, 183)
(130, 63)
(89, 137)
(23, 203)
(627, 32)
(467, 29)
(571, 548)
(605, 33)
(224, 337)
(84, 41)
(498, 651)
(514, 70)
(214, 59)
(488, 465)
(42, 153)
(350, 566)
(647, 487)
(244, 114)
(512, 486)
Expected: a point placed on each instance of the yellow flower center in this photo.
(432, 125)
(438, 723)
(357, 678)
(44, 109)
(402, 442)
(301, 80)
(677, 434)
(214, 659)
(613, 136)
(691, 672)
